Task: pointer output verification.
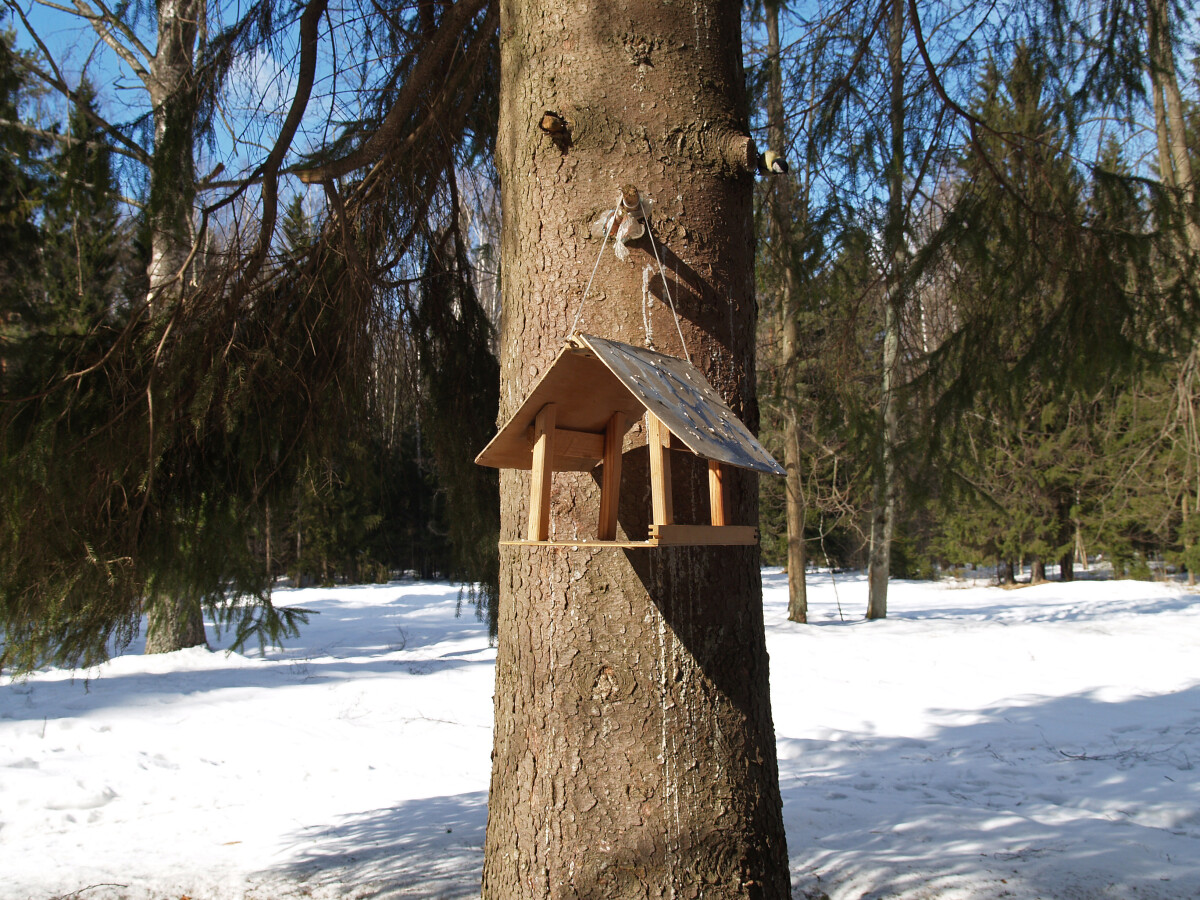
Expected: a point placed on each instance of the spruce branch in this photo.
(435, 56)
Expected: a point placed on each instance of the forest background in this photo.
(248, 300)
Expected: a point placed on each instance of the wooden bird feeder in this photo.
(576, 417)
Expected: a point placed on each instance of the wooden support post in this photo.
(610, 484)
(540, 474)
(658, 438)
(716, 492)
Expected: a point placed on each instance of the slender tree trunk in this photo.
(173, 622)
(1170, 128)
(634, 750)
(782, 212)
(883, 520)
(269, 562)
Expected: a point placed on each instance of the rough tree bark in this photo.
(782, 209)
(634, 750)
(173, 622)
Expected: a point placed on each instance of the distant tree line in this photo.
(989, 277)
(249, 325)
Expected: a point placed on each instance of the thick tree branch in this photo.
(310, 22)
(438, 117)
(436, 54)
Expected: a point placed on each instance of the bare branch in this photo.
(104, 24)
(55, 80)
(55, 137)
(439, 50)
(269, 171)
(130, 34)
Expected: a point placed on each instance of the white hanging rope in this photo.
(662, 272)
(663, 275)
(579, 311)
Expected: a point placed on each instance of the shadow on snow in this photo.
(415, 634)
(1018, 801)
(428, 848)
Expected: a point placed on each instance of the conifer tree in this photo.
(21, 190)
(197, 421)
(84, 240)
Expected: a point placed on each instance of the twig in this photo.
(88, 888)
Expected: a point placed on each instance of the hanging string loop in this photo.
(628, 221)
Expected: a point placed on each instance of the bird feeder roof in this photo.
(594, 377)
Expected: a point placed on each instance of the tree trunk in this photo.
(1066, 566)
(883, 520)
(1037, 574)
(270, 566)
(173, 623)
(1175, 165)
(634, 750)
(1170, 129)
(782, 215)
(1004, 573)
(172, 88)
(1185, 504)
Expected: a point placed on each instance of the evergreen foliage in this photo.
(311, 405)
(268, 417)
(460, 382)
(21, 189)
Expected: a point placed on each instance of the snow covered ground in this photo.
(980, 743)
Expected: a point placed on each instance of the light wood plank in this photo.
(703, 535)
(610, 483)
(585, 545)
(586, 392)
(658, 439)
(540, 476)
(716, 492)
(572, 447)
(578, 444)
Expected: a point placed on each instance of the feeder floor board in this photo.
(664, 536)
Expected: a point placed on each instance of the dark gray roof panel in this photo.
(675, 391)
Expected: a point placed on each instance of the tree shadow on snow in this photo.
(403, 637)
(1072, 799)
(429, 848)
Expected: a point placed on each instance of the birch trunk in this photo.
(172, 174)
(173, 622)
